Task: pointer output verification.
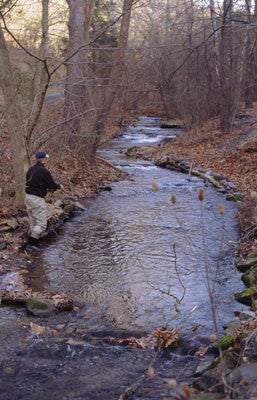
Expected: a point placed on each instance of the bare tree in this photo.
(215, 36)
(115, 84)
(75, 70)
(227, 101)
(89, 12)
(249, 58)
(20, 158)
(21, 133)
(42, 75)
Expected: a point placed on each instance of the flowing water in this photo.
(126, 260)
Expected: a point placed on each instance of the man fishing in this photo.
(38, 181)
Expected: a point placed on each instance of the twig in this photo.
(131, 388)
(185, 318)
(166, 292)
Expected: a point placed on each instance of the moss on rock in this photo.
(235, 196)
(250, 277)
(250, 262)
(247, 296)
(39, 306)
(67, 208)
(252, 255)
(225, 342)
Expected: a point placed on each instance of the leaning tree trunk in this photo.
(16, 130)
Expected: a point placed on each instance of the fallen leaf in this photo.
(196, 327)
(201, 351)
(75, 342)
(213, 338)
(42, 330)
(150, 372)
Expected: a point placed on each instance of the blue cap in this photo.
(41, 154)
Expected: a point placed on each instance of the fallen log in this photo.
(189, 170)
(109, 164)
(60, 302)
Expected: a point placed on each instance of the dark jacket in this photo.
(38, 180)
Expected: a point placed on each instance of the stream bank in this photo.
(117, 261)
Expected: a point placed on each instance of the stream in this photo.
(126, 261)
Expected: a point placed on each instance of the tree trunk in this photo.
(215, 36)
(41, 78)
(249, 59)
(16, 130)
(115, 88)
(227, 101)
(89, 12)
(75, 71)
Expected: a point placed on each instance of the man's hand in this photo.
(61, 186)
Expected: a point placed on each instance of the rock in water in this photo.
(39, 307)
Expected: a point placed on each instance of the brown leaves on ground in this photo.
(82, 182)
(250, 325)
(165, 337)
(159, 338)
(42, 330)
(248, 216)
(233, 155)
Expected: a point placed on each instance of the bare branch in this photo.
(43, 141)
(17, 41)
(84, 46)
